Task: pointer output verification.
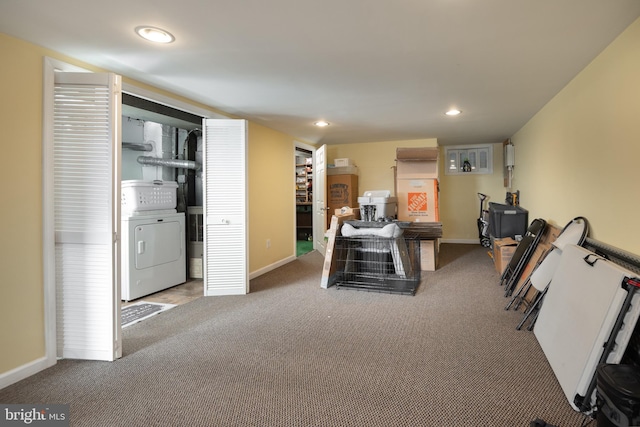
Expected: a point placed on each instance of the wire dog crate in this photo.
(378, 263)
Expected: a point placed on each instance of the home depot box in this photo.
(417, 200)
(418, 162)
(503, 250)
(342, 190)
(429, 254)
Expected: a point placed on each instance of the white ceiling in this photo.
(377, 70)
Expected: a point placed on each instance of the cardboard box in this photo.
(417, 153)
(418, 200)
(429, 254)
(417, 163)
(330, 259)
(346, 210)
(342, 190)
(503, 250)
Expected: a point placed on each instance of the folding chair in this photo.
(518, 297)
(521, 256)
(574, 233)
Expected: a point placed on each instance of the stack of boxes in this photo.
(416, 182)
(342, 186)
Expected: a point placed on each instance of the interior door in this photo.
(320, 194)
(85, 152)
(225, 207)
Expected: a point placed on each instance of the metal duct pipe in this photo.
(172, 163)
(137, 146)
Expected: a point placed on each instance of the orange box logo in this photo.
(417, 202)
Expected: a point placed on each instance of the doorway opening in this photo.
(163, 144)
(304, 200)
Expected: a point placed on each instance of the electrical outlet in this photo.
(268, 243)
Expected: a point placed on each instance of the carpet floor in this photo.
(293, 354)
(303, 247)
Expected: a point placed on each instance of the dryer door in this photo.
(157, 243)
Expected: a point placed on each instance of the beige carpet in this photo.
(293, 354)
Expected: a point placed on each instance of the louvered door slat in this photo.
(225, 207)
(85, 153)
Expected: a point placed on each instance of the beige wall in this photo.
(375, 161)
(271, 198)
(579, 155)
(575, 157)
(22, 302)
(459, 202)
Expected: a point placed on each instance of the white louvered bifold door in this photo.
(86, 151)
(320, 199)
(225, 207)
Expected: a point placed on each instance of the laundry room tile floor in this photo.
(179, 294)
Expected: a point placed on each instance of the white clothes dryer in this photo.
(153, 252)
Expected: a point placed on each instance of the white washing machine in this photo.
(153, 252)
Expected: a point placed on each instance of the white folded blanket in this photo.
(389, 231)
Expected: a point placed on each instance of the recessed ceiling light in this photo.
(321, 123)
(453, 112)
(153, 34)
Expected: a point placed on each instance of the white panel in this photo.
(577, 318)
(319, 193)
(165, 258)
(86, 220)
(483, 159)
(157, 243)
(225, 207)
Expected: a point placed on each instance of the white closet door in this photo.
(225, 207)
(319, 193)
(86, 153)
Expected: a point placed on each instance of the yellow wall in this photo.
(375, 161)
(22, 302)
(459, 202)
(578, 156)
(271, 198)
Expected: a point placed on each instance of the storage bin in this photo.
(507, 220)
(618, 395)
(138, 195)
(343, 162)
(377, 205)
(342, 170)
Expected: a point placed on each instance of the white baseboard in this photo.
(24, 371)
(271, 267)
(461, 241)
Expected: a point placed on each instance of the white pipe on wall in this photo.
(137, 146)
(172, 163)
